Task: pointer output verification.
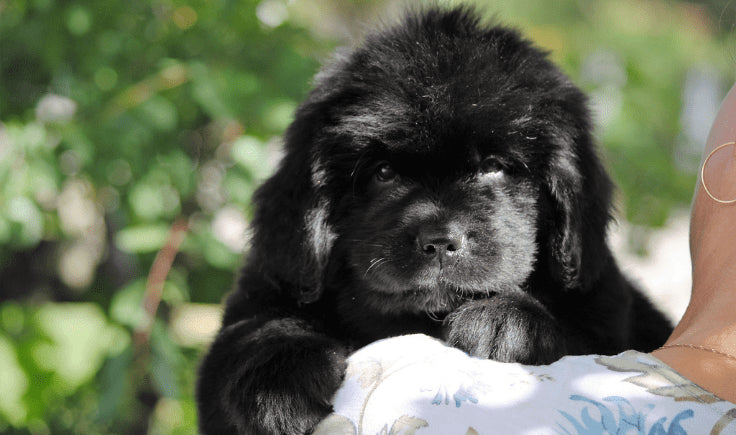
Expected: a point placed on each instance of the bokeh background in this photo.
(133, 134)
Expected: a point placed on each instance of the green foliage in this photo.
(118, 119)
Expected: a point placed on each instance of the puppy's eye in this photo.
(385, 173)
(491, 166)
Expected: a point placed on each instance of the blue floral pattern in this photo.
(624, 419)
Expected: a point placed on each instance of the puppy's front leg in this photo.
(268, 377)
(511, 327)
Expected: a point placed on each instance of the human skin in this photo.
(710, 319)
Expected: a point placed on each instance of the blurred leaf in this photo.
(279, 114)
(12, 319)
(80, 337)
(205, 92)
(114, 381)
(126, 306)
(13, 384)
(175, 290)
(78, 20)
(142, 238)
(26, 217)
(238, 186)
(166, 362)
(250, 154)
(216, 253)
(180, 170)
(159, 112)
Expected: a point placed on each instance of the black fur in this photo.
(441, 178)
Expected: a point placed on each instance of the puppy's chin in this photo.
(436, 301)
(430, 289)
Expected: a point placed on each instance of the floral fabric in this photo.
(415, 384)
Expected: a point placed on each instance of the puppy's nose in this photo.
(439, 243)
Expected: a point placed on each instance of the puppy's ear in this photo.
(292, 236)
(581, 194)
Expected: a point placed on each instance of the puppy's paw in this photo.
(507, 328)
(279, 379)
(291, 392)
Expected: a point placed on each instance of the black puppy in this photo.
(441, 178)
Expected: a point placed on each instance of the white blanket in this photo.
(416, 384)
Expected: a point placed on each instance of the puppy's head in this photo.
(440, 160)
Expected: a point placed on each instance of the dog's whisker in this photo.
(432, 316)
(374, 263)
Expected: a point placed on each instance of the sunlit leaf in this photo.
(279, 114)
(13, 384)
(80, 337)
(142, 238)
(25, 214)
(249, 153)
(126, 306)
